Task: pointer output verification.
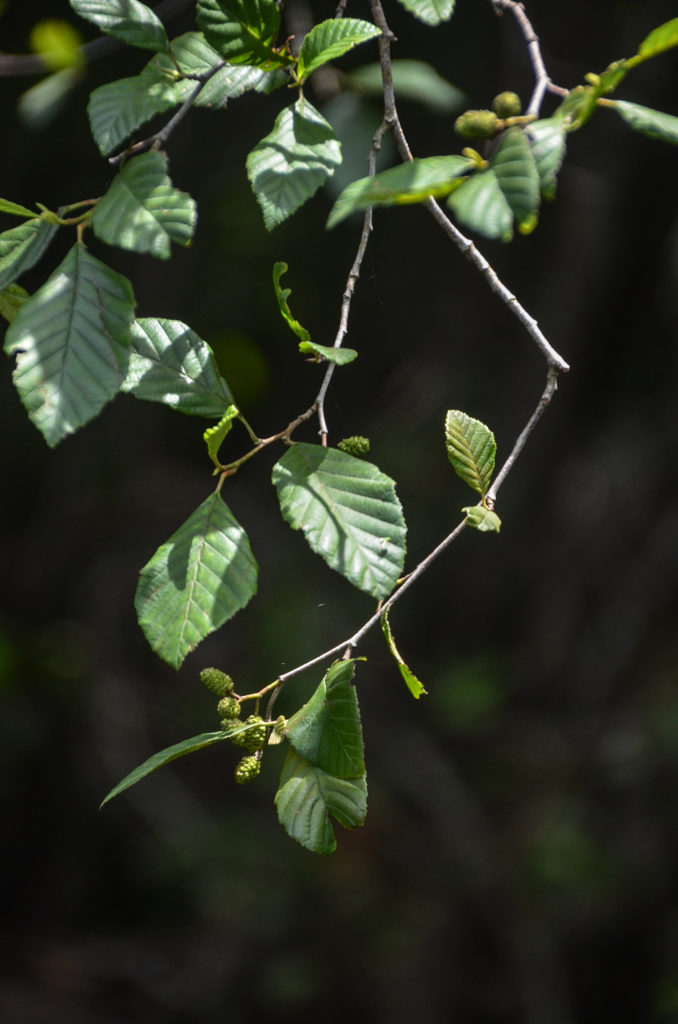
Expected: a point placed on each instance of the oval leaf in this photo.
(410, 182)
(307, 796)
(331, 39)
(117, 109)
(22, 246)
(170, 363)
(196, 581)
(652, 123)
(660, 39)
(516, 173)
(348, 511)
(71, 338)
(327, 730)
(142, 210)
(288, 166)
(547, 141)
(480, 205)
(471, 449)
(242, 31)
(129, 20)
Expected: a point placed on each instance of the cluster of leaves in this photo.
(78, 343)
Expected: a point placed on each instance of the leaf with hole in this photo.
(653, 123)
(195, 581)
(290, 164)
(170, 363)
(163, 757)
(22, 246)
(331, 39)
(306, 798)
(409, 182)
(129, 20)
(71, 340)
(471, 449)
(431, 12)
(143, 211)
(413, 685)
(326, 730)
(241, 31)
(348, 511)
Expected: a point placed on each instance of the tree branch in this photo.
(543, 82)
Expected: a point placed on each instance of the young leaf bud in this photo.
(507, 104)
(477, 124)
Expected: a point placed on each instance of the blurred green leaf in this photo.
(431, 12)
(12, 299)
(547, 140)
(653, 123)
(659, 40)
(412, 80)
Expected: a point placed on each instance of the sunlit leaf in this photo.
(306, 798)
(329, 40)
(22, 246)
(660, 39)
(414, 686)
(432, 12)
(480, 205)
(471, 449)
(652, 123)
(341, 356)
(143, 211)
(170, 363)
(215, 436)
(6, 206)
(348, 511)
(409, 182)
(547, 140)
(482, 518)
(242, 31)
(326, 730)
(71, 340)
(163, 757)
(196, 581)
(290, 164)
(129, 20)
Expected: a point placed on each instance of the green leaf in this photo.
(516, 173)
(242, 31)
(205, 739)
(482, 518)
(348, 511)
(431, 12)
(331, 39)
(288, 166)
(339, 356)
(22, 246)
(410, 182)
(170, 363)
(307, 796)
(412, 80)
(414, 686)
(660, 39)
(117, 109)
(6, 206)
(129, 20)
(214, 436)
(471, 449)
(142, 210)
(326, 730)
(480, 205)
(71, 338)
(547, 140)
(196, 581)
(653, 123)
(282, 295)
(12, 299)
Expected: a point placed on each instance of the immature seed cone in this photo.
(507, 104)
(228, 707)
(254, 737)
(477, 124)
(247, 769)
(216, 681)
(355, 445)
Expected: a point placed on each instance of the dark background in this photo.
(520, 858)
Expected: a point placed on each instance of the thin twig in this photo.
(543, 81)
